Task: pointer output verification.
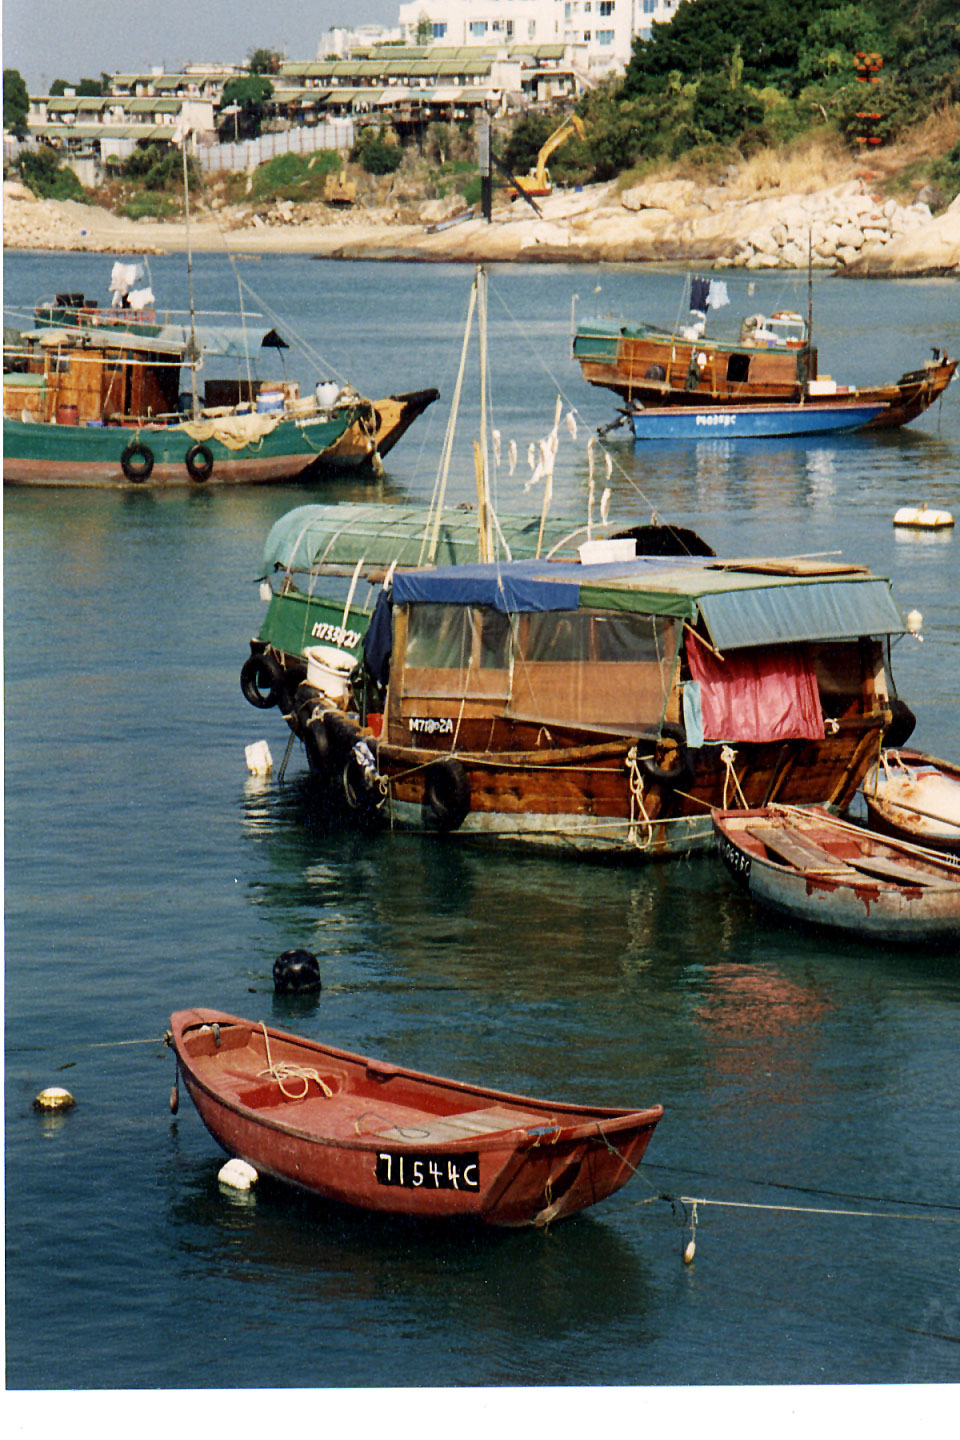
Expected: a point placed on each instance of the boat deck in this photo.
(837, 856)
(353, 1112)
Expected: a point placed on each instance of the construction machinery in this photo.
(338, 190)
(538, 181)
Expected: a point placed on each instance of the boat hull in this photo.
(841, 896)
(580, 800)
(396, 1141)
(297, 449)
(928, 792)
(751, 422)
(654, 368)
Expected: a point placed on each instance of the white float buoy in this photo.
(258, 757)
(54, 1098)
(920, 517)
(689, 1252)
(238, 1175)
(266, 591)
(914, 622)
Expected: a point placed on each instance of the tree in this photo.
(42, 172)
(375, 152)
(264, 62)
(250, 93)
(424, 31)
(16, 102)
(160, 167)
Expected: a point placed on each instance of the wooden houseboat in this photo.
(772, 361)
(94, 403)
(604, 708)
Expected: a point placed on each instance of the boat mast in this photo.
(192, 350)
(809, 355)
(483, 463)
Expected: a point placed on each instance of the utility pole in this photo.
(486, 186)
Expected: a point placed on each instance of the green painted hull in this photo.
(43, 454)
(293, 622)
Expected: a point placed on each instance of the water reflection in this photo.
(359, 1266)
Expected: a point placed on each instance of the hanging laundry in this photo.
(512, 455)
(717, 294)
(495, 437)
(699, 290)
(572, 424)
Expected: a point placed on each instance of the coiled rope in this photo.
(284, 1071)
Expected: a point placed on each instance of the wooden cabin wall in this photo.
(73, 378)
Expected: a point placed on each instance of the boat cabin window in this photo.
(593, 669)
(841, 668)
(457, 651)
(738, 368)
(605, 670)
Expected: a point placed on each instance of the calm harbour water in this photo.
(146, 871)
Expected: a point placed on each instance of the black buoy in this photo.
(296, 972)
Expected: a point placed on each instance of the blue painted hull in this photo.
(753, 422)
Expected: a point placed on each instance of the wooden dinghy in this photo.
(816, 868)
(361, 1132)
(915, 797)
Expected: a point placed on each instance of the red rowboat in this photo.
(362, 1132)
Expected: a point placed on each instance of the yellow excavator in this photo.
(538, 182)
(338, 190)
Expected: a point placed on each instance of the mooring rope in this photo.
(285, 1070)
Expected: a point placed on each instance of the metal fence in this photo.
(248, 154)
(244, 155)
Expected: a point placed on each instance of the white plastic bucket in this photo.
(268, 401)
(328, 670)
(327, 392)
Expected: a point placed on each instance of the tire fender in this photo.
(679, 774)
(901, 726)
(199, 463)
(136, 462)
(260, 679)
(446, 790)
(360, 789)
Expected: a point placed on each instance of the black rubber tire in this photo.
(902, 725)
(199, 463)
(679, 774)
(316, 742)
(137, 473)
(359, 796)
(341, 733)
(446, 790)
(260, 681)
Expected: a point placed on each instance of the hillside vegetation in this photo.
(762, 93)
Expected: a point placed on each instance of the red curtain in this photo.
(754, 694)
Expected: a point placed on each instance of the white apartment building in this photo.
(341, 40)
(599, 32)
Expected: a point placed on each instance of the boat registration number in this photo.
(738, 863)
(431, 725)
(429, 1172)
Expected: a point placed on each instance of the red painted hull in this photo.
(397, 1141)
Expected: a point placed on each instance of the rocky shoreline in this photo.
(844, 228)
